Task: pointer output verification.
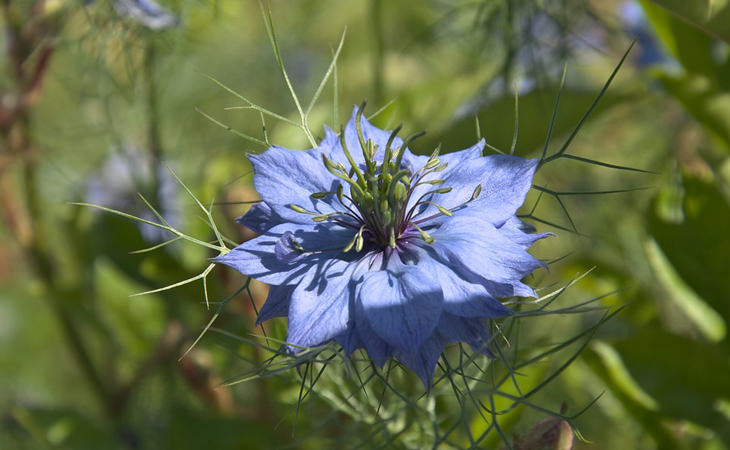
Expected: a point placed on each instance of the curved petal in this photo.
(473, 331)
(520, 289)
(463, 156)
(284, 177)
(505, 181)
(467, 245)
(276, 304)
(319, 308)
(423, 361)
(401, 303)
(378, 350)
(460, 297)
(274, 258)
(453, 160)
(521, 233)
(260, 218)
(349, 340)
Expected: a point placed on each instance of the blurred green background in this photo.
(100, 98)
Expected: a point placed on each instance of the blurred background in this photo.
(98, 99)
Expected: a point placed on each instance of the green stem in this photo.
(379, 56)
(153, 122)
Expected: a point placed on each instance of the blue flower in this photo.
(368, 244)
(146, 12)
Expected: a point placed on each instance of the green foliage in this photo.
(710, 16)
(86, 366)
(704, 87)
(697, 246)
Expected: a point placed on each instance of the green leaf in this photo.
(698, 247)
(609, 365)
(704, 87)
(684, 376)
(620, 376)
(703, 100)
(710, 16)
(690, 46)
(705, 319)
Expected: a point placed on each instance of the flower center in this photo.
(380, 192)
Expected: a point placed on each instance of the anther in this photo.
(299, 209)
(425, 236)
(477, 191)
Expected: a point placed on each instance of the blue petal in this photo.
(463, 156)
(521, 233)
(349, 340)
(359, 333)
(277, 303)
(423, 361)
(378, 350)
(146, 12)
(319, 309)
(271, 259)
(284, 177)
(260, 218)
(453, 160)
(469, 245)
(504, 290)
(402, 305)
(469, 155)
(474, 332)
(505, 182)
(461, 297)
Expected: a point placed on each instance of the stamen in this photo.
(435, 153)
(432, 163)
(299, 209)
(339, 193)
(380, 191)
(420, 201)
(425, 236)
(440, 208)
(297, 246)
(323, 217)
(433, 182)
(357, 241)
(474, 195)
(339, 171)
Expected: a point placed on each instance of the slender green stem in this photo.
(153, 121)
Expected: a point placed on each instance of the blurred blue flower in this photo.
(368, 244)
(636, 24)
(127, 171)
(147, 13)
